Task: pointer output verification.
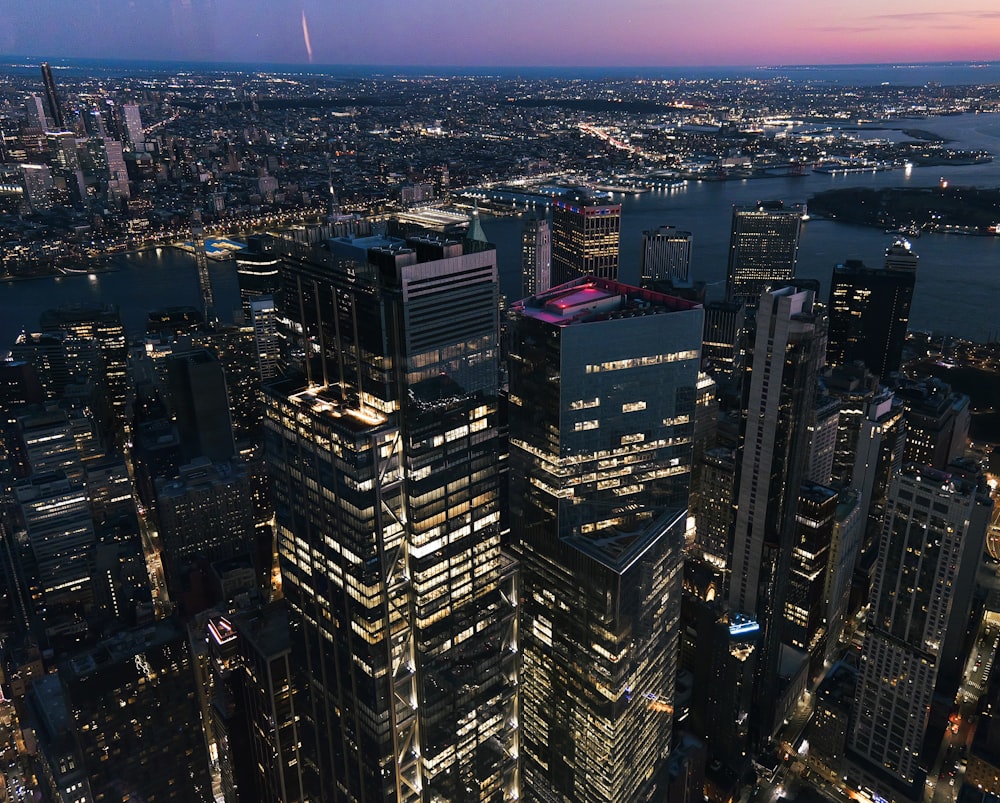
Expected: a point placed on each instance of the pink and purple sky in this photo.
(507, 32)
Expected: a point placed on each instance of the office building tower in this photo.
(720, 650)
(36, 180)
(263, 316)
(603, 381)
(204, 512)
(824, 427)
(585, 237)
(63, 774)
(954, 648)
(845, 544)
(384, 465)
(900, 257)
(45, 441)
(268, 697)
(35, 110)
(937, 420)
(722, 337)
(536, 256)
(869, 313)
(136, 719)
(132, 120)
(236, 349)
(59, 360)
(103, 325)
(763, 248)
(713, 524)
(805, 602)
(832, 717)
(788, 344)
(854, 387)
(55, 108)
(201, 404)
(930, 530)
(666, 254)
(257, 270)
(60, 534)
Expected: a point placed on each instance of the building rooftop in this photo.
(590, 299)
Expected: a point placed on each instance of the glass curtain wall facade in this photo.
(602, 391)
(384, 459)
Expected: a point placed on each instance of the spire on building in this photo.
(475, 231)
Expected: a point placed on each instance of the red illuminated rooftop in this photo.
(590, 299)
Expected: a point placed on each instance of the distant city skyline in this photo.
(438, 32)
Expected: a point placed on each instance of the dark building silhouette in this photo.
(869, 311)
(52, 98)
(136, 717)
(200, 400)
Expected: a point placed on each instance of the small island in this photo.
(954, 210)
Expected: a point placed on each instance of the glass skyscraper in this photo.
(603, 383)
(385, 464)
(870, 310)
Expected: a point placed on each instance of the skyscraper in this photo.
(666, 254)
(603, 383)
(763, 248)
(384, 463)
(536, 256)
(585, 238)
(931, 519)
(201, 404)
(263, 314)
(788, 346)
(35, 109)
(61, 537)
(102, 324)
(870, 310)
(133, 124)
(55, 109)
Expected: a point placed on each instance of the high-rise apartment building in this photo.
(384, 464)
(603, 383)
(585, 238)
(536, 256)
(931, 518)
(870, 310)
(788, 347)
(666, 254)
(763, 248)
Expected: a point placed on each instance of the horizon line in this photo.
(8, 59)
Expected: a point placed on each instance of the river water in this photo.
(958, 280)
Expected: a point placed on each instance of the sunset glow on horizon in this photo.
(516, 32)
